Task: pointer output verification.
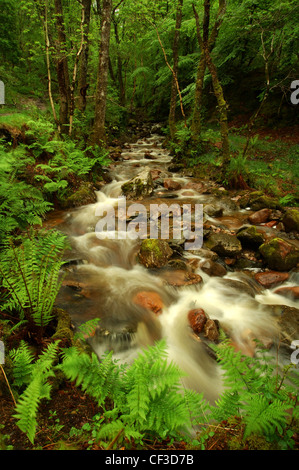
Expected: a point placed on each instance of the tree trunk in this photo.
(62, 68)
(207, 40)
(222, 107)
(82, 82)
(175, 51)
(102, 79)
(196, 117)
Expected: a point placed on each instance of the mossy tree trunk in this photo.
(62, 68)
(83, 73)
(175, 51)
(102, 78)
(206, 42)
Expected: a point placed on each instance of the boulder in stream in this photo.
(154, 253)
(279, 254)
(139, 187)
(291, 220)
(250, 236)
(270, 279)
(224, 244)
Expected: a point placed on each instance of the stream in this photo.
(138, 305)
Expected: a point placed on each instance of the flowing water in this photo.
(104, 277)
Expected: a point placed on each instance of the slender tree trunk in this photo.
(44, 16)
(73, 82)
(208, 39)
(222, 107)
(83, 73)
(175, 49)
(206, 43)
(197, 108)
(102, 79)
(62, 68)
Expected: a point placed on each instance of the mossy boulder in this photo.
(257, 200)
(154, 253)
(279, 254)
(139, 187)
(249, 236)
(291, 220)
(83, 196)
(224, 244)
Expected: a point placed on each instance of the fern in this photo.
(31, 274)
(36, 377)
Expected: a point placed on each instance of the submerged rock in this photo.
(279, 254)
(154, 253)
(181, 278)
(149, 300)
(290, 292)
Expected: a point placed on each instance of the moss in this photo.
(279, 254)
(250, 236)
(84, 195)
(291, 220)
(154, 253)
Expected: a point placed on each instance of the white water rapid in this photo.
(105, 281)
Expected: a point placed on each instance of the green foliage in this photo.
(161, 409)
(258, 393)
(35, 377)
(31, 275)
(21, 204)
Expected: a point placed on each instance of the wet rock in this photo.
(204, 253)
(213, 210)
(224, 244)
(288, 321)
(279, 254)
(172, 185)
(270, 279)
(176, 167)
(259, 217)
(177, 264)
(154, 253)
(139, 187)
(149, 300)
(212, 268)
(197, 319)
(290, 292)
(211, 330)
(198, 187)
(181, 278)
(232, 286)
(291, 220)
(249, 236)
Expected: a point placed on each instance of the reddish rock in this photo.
(292, 292)
(172, 185)
(150, 300)
(155, 174)
(198, 187)
(197, 319)
(259, 217)
(269, 279)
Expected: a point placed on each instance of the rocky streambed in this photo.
(244, 278)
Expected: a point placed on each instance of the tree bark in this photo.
(82, 81)
(175, 50)
(102, 78)
(206, 43)
(62, 68)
